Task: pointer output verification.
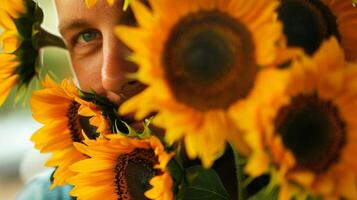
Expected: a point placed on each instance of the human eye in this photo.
(87, 37)
(86, 41)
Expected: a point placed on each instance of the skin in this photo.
(98, 57)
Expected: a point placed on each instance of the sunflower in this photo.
(200, 60)
(307, 23)
(18, 57)
(57, 108)
(122, 168)
(309, 130)
(20, 42)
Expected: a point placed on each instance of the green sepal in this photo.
(131, 132)
(24, 92)
(146, 133)
(354, 3)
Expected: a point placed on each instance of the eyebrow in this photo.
(73, 24)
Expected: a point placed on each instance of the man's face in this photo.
(98, 57)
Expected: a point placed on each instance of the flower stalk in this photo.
(45, 39)
(239, 164)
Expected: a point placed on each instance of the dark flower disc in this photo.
(307, 23)
(134, 172)
(208, 60)
(313, 130)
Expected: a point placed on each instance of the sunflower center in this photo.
(209, 60)
(313, 130)
(307, 23)
(133, 174)
(74, 124)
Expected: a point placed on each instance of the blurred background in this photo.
(19, 160)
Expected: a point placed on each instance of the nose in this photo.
(115, 66)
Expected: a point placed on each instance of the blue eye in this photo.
(87, 36)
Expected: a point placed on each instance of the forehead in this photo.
(70, 11)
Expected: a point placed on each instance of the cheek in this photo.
(88, 72)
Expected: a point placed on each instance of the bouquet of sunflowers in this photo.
(243, 100)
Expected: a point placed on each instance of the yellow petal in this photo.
(6, 86)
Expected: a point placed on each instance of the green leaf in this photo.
(266, 194)
(176, 170)
(203, 184)
(177, 173)
(354, 3)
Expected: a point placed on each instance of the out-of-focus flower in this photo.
(201, 60)
(18, 56)
(20, 41)
(307, 23)
(308, 131)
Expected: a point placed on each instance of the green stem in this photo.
(239, 162)
(45, 39)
